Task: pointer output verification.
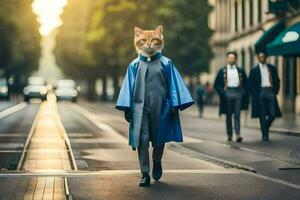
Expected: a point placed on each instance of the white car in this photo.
(36, 88)
(66, 90)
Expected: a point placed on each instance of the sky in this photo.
(48, 13)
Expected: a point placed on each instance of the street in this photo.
(93, 160)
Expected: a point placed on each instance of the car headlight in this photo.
(26, 91)
(57, 93)
(75, 93)
(4, 90)
(43, 91)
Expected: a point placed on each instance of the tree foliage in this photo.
(19, 39)
(105, 33)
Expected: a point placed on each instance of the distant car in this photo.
(4, 89)
(66, 90)
(36, 88)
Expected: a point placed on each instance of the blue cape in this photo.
(178, 97)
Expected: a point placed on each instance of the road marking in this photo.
(78, 173)
(12, 110)
(12, 135)
(10, 151)
(242, 168)
(274, 180)
(103, 126)
(93, 118)
(188, 139)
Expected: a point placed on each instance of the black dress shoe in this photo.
(157, 170)
(229, 139)
(145, 181)
(265, 139)
(239, 139)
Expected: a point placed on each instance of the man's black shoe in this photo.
(229, 139)
(145, 181)
(265, 139)
(157, 170)
(239, 139)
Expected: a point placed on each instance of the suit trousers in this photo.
(234, 103)
(143, 149)
(267, 110)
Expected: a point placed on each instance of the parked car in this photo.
(36, 88)
(4, 89)
(66, 90)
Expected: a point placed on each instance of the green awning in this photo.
(286, 43)
(268, 36)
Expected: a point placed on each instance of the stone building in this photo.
(247, 26)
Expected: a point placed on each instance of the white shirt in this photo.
(233, 79)
(265, 78)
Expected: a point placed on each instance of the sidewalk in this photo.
(288, 124)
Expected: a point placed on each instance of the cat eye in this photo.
(143, 40)
(155, 40)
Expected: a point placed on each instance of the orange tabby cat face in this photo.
(148, 42)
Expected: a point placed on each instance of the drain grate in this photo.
(295, 152)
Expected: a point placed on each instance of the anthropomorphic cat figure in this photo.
(151, 95)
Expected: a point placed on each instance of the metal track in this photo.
(67, 143)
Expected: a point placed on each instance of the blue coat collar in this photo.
(150, 59)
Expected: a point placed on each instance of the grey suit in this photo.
(155, 93)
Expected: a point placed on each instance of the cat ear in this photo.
(138, 31)
(159, 30)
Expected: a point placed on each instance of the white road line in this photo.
(12, 110)
(103, 126)
(274, 180)
(112, 172)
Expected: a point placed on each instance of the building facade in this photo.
(238, 26)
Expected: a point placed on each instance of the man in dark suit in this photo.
(264, 85)
(230, 83)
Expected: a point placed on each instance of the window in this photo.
(235, 16)
(251, 12)
(251, 57)
(259, 11)
(243, 14)
(243, 59)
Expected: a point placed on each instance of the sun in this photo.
(48, 13)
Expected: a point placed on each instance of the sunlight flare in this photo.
(48, 12)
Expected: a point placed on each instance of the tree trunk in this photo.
(91, 89)
(116, 86)
(104, 88)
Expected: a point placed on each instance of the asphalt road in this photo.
(205, 166)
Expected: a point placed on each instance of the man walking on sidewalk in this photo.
(264, 85)
(151, 95)
(230, 83)
(200, 97)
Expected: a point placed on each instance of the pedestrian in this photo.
(209, 91)
(151, 96)
(264, 85)
(200, 97)
(231, 85)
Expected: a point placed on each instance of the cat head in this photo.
(148, 42)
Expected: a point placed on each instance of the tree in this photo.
(187, 35)
(71, 50)
(108, 34)
(20, 40)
